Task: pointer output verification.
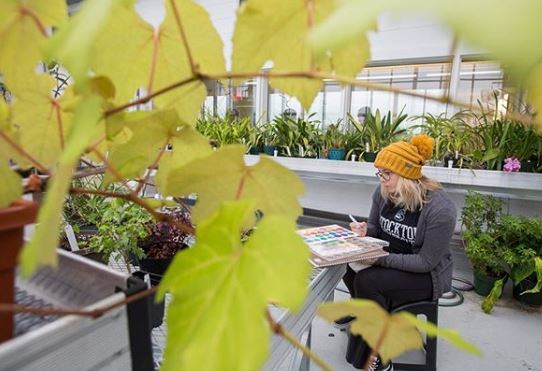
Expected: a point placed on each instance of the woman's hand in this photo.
(359, 228)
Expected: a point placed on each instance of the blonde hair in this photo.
(411, 194)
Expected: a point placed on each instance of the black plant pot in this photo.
(369, 156)
(156, 309)
(155, 267)
(530, 298)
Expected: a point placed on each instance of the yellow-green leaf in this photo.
(396, 332)
(41, 250)
(187, 145)
(43, 122)
(23, 31)
(141, 137)
(10, 187)
(72, 44)
(218, 307)
(156, 58)
(223, 176)
(264, 34)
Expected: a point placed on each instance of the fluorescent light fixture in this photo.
(480, 72)
(386, 77)
(437, 74)
(465, 73)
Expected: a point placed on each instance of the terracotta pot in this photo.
(12, 222)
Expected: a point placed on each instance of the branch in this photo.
(279, 330)
(193, 67)
(95, 313)
(86, 173)
(144, 181)
(155, 43)
(376, 349)
(148, 97)
(311, 75)
(23, 153)
(93, 146)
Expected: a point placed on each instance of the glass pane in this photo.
(243, 99)
(481, 82)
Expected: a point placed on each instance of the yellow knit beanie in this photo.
(406, 159)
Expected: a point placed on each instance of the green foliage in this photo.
(218, 305)
(480, 217)
(453, 136)
(83, 210)
(501, 245)
(121, 226)
(379, 131)
(40, 250)
(489, 302)
(203, 322)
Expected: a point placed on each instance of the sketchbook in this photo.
(333, 245)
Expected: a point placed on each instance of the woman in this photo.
(417, 218)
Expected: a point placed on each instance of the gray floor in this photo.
(510, 338)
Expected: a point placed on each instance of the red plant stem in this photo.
(23, 153)
(153, 166)
(193, 66)
(376, 349)
(155, 45)
(241, 186)
(25, 11)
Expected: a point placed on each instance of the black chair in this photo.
(430, 310)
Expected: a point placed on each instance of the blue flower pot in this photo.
(336, 154)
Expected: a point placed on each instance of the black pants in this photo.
(388, 287)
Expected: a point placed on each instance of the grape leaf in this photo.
(262, 33)
(450, 335)
(218, 307)
(43, 121)
(223, 176)
(187, 145)
(156, 58)
(10, 187)
(22, 34)
(399, 330)
(148, 130)
(72, 44)
(41, 250)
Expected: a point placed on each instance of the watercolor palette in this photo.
(326, 233)
(333, 244)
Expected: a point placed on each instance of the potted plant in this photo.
(480, 217)
(334, 142)
(520, 239)
(163, 241)
(120, 228)
(378, 131)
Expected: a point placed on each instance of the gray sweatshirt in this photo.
(432, 245)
